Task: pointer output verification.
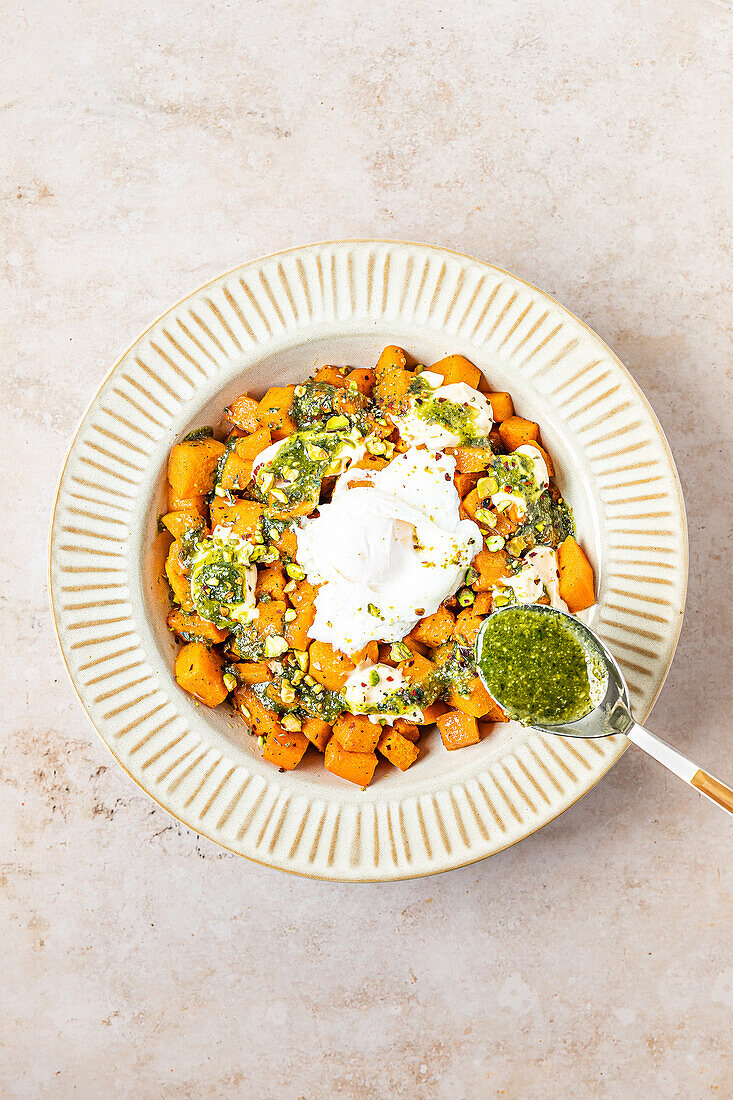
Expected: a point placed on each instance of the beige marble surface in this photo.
(151, 146)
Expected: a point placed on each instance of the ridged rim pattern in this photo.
(215, 335)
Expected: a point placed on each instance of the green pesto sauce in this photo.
(535, 667)
(300, 465)
(459, 419)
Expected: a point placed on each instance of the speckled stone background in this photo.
(150, 146)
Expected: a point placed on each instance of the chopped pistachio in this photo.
(373, 610)
(516, 545)
(309, 681)
(275, 644)
(297, 676)
(245, 712)
(487, 486)
(261, 741)
(289, 615)
(503, 505)
(293, 570)
(279, 496)
(301, 656)
(290, 587)
(496, 542)
(318, 689)
(230, 681)
(466, 597)
(398, 651)
(483, 515)
(336, 423)
(291, 723)
(471, 575)
(374, 677)
(287, 694)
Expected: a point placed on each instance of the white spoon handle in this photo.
(682, 766)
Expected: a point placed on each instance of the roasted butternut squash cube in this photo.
(192, 465)
(458, 730)
(398, 749)
(198, 670)
(273, 411)
(285, 749)
(516, 432)
(456, 368)
(318, 732)
(435, 629)
(328, 666)
(189, 625)
(243, 413)
(576, 585)
(356, 733)
(244, 518)
(356, 767)
(475, 700)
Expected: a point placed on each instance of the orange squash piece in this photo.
(273, 411)
(398, 749)
(244, 517)
(464, 483)
(491, 566)
(483, 603)
(189, 623)
(328, 666)
(258, 718)
(243, 413)
(191, 466)
(576, 585)
(476, 701)
(317, 732)
(471, 460)
(334, 376)
(249, 446)
(355, 733)
(432, 713)
(467, 626)
(458, 729)
(417, 669)
(270, 618)
(180, 522)
(502, 406)
(296, 631)
(392, 377)
(516, 432)
(356, 767)
(285, 749)
(271, 581)
(435, 629)
(195, 503)
(456, 368)
(236, 474)
(253, 672)
(199, 672)
(177, 578)
(364, 379)
(407, 729)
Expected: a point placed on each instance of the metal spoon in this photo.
(612, 714)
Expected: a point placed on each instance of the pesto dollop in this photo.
(536, 667)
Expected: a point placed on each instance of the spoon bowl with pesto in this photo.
(548, 670)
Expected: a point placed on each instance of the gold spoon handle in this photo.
(682, 766)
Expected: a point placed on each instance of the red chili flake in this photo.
(390, 679)
(507, 488)
(448, 477)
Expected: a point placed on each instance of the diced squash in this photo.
(296, 631)
(273, 411)
(435, 629)
(432, 713)
(494, 714)
(464, 483)
(483, 603)
(199, 672)
(317, 732)
(195, 503)
(516, 432)
(328, 666)
(244, 517)
(355, 733)
(491, 566)
(370, 462)
(455, 368)
(253, 672)
(458, 729)
(303, 593)
(180, 522)
(576, 576)
(285, 749)
(249, 446)
(177, 577)
(468, 624)
(236, 474)
(356, 767)
(417, 669)
(271, 581)
(407, 729)
(243, 413)
(502, 406)
(262, 721)
(369, 653)
(471, 504)
(415, 647)
(397, 748)
(334, 376)
(287, 543)
(191, 626)
(476, 701)
(270, 620)
(471, 460)
(191, 466)
(364, 379)
(392, 377)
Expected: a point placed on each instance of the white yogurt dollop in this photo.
(538, 575)
(416, 430)
(386, 554)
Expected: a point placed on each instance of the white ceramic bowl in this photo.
(273, 321)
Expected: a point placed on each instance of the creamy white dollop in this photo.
(501, 500)
(416, 430)
(370, 685)
(538, 576)
(388, 553)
